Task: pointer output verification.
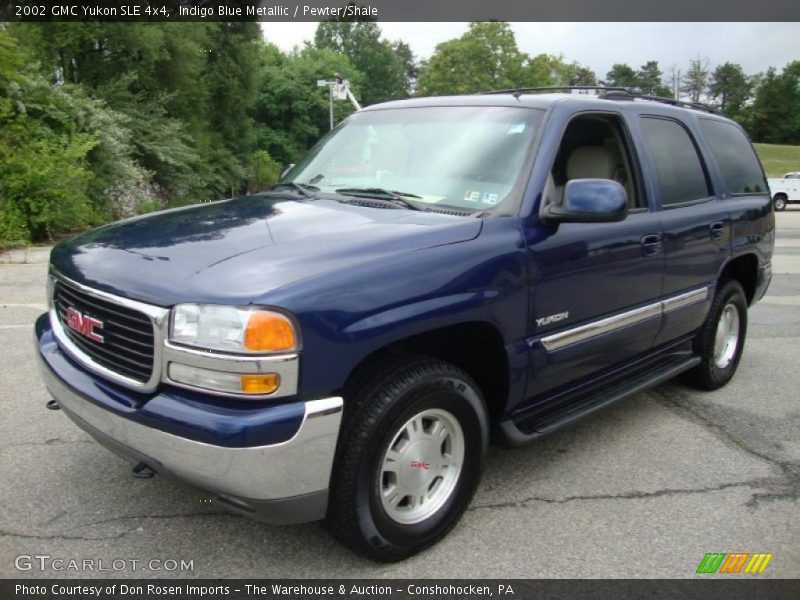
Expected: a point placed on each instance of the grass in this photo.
(777, 159)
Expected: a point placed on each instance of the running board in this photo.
(528, 428)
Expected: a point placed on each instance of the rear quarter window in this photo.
(735, 156)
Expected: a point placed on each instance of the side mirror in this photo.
(286, 169)
(589, 201)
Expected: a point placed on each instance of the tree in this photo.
(550, 70)
(730, 89)
(385, 70)
(291, 112)
(404, 52)
(486, 57)
(776, 107)
(695, 82)
(583, 76)
(650, 80)
(622, 75)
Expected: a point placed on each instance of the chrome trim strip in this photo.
(590, 330)
(287, 366)
(300, 465)
(686, 299)
(582, 333)
(158, 317)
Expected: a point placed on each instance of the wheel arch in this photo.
(476, 347)
(744, 269)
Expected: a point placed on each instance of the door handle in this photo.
(651, 244)
(717, 230)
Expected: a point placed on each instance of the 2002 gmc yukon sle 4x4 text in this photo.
(434, 274)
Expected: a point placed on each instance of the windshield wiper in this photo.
(380, 193)
(305, 190)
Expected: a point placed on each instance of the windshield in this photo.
(468, 157)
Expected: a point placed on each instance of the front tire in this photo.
(409, 460)
(780, 203)
(720, 341)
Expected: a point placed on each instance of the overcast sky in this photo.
(755, 46)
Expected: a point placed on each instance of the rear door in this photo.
(695, 223)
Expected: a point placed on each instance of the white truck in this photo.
(785, 190)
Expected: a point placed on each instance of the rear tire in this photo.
(720, 341)
(779, 202)
(410, 457)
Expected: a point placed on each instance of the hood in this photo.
(237, 250)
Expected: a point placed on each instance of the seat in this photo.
(585, 162)
(591, 162)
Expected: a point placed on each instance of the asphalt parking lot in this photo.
(644, 489)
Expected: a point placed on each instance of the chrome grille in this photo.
(128, 335)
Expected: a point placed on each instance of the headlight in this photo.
(232, 329)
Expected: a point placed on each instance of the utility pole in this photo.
(330, 101)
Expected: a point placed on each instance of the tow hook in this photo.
(142, 471)
(53, 405)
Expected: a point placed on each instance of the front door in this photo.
(595, 287)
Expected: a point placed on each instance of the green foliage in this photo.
(776, 108)
(383, 67)
(650, 80)
(485, 58)
(44, 181)
(730, 89)
(105, 120)
(622, 75)
(291, 110)
(265, 171)
(695, 82)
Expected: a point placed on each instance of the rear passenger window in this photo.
(680, 173)
(737, 160)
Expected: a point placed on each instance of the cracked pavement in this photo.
(643, 489)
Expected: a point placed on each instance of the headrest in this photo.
(591, 162)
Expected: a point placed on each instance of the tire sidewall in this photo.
(731, 293)
(464, 402)
(780, 204)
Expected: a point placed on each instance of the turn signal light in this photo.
(269, 332)
(261, 384)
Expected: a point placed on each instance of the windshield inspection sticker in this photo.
(471, 196)
(516, 128)
(489, 198)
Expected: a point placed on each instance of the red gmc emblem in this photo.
(84, 324)
(415, 464)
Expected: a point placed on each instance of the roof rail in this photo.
(555, 88)
(629, 95)
(608, 93)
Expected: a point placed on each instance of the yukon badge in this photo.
(540, 322)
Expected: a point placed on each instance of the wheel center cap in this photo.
(418, 470)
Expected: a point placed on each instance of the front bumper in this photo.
(285, 482)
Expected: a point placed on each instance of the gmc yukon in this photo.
(435, 274)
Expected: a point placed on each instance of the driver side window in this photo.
(594, 147)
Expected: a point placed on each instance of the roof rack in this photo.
(608, 93)
(629, 95)
(555, 88)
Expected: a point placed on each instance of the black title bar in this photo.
(402, 10)
(401, 589)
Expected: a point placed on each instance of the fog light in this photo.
(220, 381)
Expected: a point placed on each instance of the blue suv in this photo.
(436, 274)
